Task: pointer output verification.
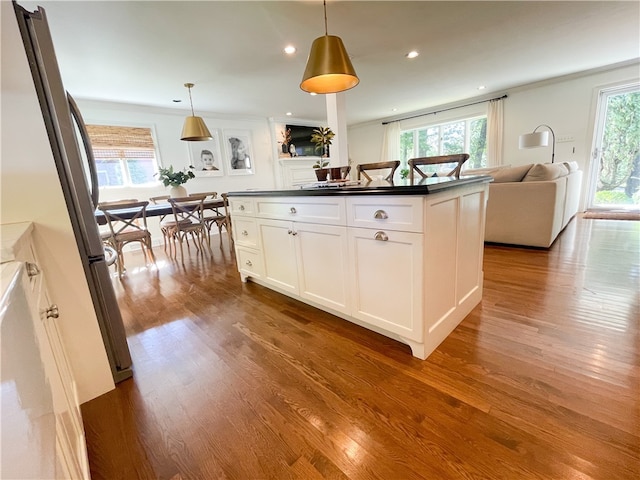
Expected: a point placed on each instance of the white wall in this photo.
(567, 104)
(167, 127)
(30, 191)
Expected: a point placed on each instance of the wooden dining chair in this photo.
(364, 167)
(227, 213)
(127, 221)
(189, 209)
(455, 161)
(167, 222)
(214, 215)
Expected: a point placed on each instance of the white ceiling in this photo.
(143, 52)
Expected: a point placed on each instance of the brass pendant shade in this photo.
(194, 129)
(329, 69)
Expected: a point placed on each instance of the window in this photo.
(462, 136)
(125, 156)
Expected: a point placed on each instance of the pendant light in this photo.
(329, 69)
(194, 129)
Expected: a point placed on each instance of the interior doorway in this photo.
(615, 170)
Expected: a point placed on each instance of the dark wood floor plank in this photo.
(235, 381)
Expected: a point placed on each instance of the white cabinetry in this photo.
(406, 266)
(299, 248)
(387, 260)
(70, 447)
(307, 260)
(247, 243)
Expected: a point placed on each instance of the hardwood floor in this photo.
(232, 380)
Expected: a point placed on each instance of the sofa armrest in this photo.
(525, 213)
(572, 200)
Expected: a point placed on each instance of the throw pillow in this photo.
(513, 174)
(542, 172)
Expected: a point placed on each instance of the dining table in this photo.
(157, 210)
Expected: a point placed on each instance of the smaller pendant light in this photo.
(329, 69)
(194, 129)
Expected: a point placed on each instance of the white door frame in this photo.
(598, 133)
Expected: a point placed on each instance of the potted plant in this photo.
(286, 140)
(175, 179)
(322, 137)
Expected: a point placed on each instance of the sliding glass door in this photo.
(615, 173)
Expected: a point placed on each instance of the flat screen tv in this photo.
(301, 138)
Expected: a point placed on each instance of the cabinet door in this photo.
(323, 264)
(387, 280)
(69, 429)
(280, 268)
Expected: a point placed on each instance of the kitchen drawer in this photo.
(324, 210)
(241, 206)
(246, 232)
(390, 213)
(250, 262)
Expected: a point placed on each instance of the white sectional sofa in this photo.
(531, 204)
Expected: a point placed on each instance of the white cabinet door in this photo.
(307, 260)
(280, 264)
(70, 438)
(387, 280)
(323, 264)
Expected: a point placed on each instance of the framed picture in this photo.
(206, 157)
(239, 154)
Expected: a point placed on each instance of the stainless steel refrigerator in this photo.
(76, 169)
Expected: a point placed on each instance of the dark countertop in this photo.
(377, 187)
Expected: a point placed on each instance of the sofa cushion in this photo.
(542, 172)
(572, 166)
(484, 170)
(513, 174)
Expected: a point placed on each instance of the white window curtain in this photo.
(495, 121)
(391, 142)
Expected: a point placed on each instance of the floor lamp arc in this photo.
(537, 139)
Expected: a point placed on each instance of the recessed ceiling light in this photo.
(289, 114)
(481, 87)
(289, 49)
(412, 54)
(394, 109)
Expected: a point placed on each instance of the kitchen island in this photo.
(402, 260)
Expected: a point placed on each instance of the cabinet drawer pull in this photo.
(245, 233)
(294, 233)
(248, 263)
(289, 232)
(293, 210)
(241, 208)
(32, 269)
(381, 236)
(380, 215)
(52, 311)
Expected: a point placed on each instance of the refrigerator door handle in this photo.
(86, 143)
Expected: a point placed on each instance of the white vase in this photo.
(177, 192)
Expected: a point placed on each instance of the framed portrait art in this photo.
(206, 157)
(239, 154)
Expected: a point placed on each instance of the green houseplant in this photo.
(175, 179)
(322, 137)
